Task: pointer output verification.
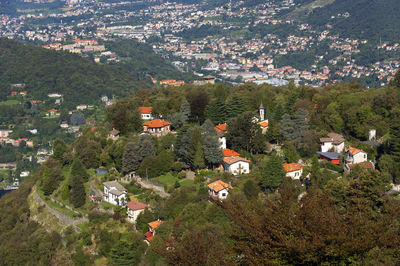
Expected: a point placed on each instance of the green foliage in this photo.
(273, 173)
(128, 251)
(80, 80)
(250, 189)
(51, 175)
(59, 149)
(77, 195)
(124, 116)
(245, 134)
(78, 169)
(291, 153)
(211, 145)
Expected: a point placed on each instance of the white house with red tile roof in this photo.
(157, 127)
(145, 112)
(221, 130)
(134, 208)
(236, 165)
(355, 156)
(293, 170)
(219, 190)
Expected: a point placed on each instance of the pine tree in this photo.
(196, 152)
(216, 111)
(395, 148)
(47, 184)
(211, 145)
(78, 194)
(77, 168)
(198, 159)
(59, 149)
(273, 173)
(235, 106)
(131, 158)
(278, 112)
(185, 109)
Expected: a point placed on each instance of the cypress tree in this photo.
(77, 168)
(131, 158)
(78, 194)
(47, 184)
(211, 145)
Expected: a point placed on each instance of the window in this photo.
(223, 194)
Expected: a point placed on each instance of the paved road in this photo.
(61, 217)
(156, 188)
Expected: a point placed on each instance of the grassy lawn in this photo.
(3, 174)
(9, 102)
(169, 179)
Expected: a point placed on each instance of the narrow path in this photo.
(62, 218)
(150, 185)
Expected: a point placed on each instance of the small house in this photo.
(364, 165)
(134, 208)
(113, 134)
(114, 193)
(157, 127)
(219, 190)
(293, 170)
(145, 113)
(152, 230)
(355, 156)
(333, 143)
(236, 165)
(221, 131)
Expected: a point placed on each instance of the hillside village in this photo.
(160, 152)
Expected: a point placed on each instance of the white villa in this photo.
(114, 193)
(236, 165)
(334, 142)
(293, 170)
(219, 190)
(134, 208)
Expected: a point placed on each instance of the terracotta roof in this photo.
(229, 153)
(354, 151)
(155, 224)
(220, 127)
(290, 167)
(148, 234)
(145, 110)
(366, 165)
(323, 140)
(264, 123)
(136, 205)
(232, 160)
(157, 123)
(219, 185)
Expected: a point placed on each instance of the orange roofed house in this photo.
(152, 227)
(145, 113)
(355, 156)
(219, 190)
(236, 165)
(221, 130)
(157, 127)
(293, 170)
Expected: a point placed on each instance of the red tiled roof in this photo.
(229, 153)
(157, 123)
(221, 127)
(155, 224)
(290, 167)
(232, 160)
(136, 205)
(219, 185)
(145, 110)
(365, 165)
(354, 151)
(148, 234)
(263, 124)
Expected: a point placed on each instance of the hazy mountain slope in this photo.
(368, 19)
(44, 71)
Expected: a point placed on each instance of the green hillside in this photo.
(372, 20)
(78, 79)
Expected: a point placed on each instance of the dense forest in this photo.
(78, 79)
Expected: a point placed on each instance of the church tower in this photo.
(262, 112)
